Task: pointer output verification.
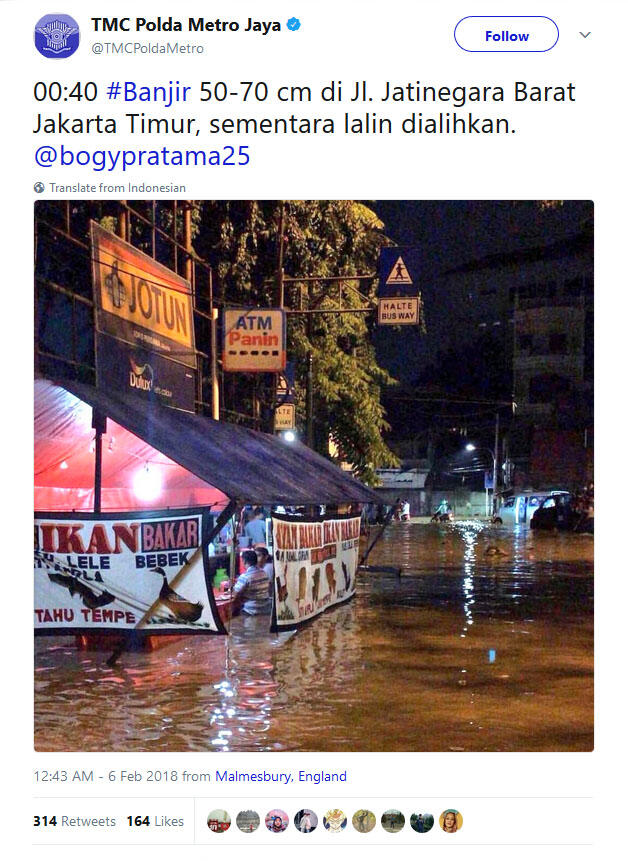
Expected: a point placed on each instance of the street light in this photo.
(470, 447)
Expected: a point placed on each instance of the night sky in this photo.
(452, 233)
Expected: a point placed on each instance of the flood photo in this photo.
(314, 476)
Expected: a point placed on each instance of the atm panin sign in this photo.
(254, 340)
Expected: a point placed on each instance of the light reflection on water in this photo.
(484, 643)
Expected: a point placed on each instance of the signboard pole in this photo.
(310, 399)
(122, 220)
(280, 272)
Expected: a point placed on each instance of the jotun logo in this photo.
(57, 36)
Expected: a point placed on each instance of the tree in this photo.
(320, 238)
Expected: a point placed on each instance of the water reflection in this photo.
(484, 643)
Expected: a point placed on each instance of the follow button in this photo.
(501, 33)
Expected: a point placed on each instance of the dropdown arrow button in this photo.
(584, 35)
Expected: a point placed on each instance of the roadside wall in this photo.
(465, 503)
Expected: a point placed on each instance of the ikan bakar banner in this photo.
(314, 566)
(110, 572)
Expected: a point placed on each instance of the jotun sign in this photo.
(144, 322)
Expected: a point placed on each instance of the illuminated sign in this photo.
(398, 311)
(254, 339)
(145, 328)
(398, 291)
(140, 300)
(285, 417)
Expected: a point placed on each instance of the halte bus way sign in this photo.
(285, 418)
(398, 295)
(398, 311)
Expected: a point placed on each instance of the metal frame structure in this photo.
(60, 231)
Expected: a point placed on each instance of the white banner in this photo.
(314, 566)
(123, 572)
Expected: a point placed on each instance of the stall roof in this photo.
(230, 460)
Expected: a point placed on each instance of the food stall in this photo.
(141, 545)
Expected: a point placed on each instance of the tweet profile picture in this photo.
(450, 820)
(335, 820)
(363, 821)
(393, 821)
(247, 821)
(276, 820)
(421, 822)
(305, 820)
(218, 821)
(57, 36)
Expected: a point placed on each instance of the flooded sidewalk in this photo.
(485, 643)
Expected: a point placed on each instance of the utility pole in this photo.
(310, 400)
(213, 347)
(309, 389)
(495, 456)
(280, 273)
(310, 313)
(188, 274)
(187, 241)
(281, 297)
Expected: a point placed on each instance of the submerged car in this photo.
(555, 512)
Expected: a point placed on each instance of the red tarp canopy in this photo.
(156, 457)
(64, 463)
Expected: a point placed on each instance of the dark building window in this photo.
(573, 287)
(525, 342)
(588, 346)
(558, 343)
(548, 388)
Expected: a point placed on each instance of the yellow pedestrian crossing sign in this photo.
(399, 274)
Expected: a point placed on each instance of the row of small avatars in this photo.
(334, 820)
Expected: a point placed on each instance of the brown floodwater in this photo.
(485, 643)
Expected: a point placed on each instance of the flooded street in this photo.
(485, 643)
